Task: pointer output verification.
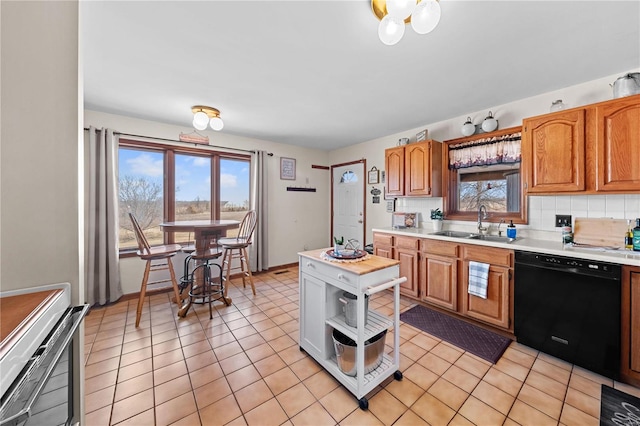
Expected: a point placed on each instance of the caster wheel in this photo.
(363, 403)
(397, 375)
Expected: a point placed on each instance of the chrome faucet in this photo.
(499, 231)
(482, 214)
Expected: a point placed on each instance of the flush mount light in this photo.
(423, 15)
(203, 115)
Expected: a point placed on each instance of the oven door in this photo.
(43, 392)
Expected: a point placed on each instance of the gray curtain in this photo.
(103, 264)
(258, 250)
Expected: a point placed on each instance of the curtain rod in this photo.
(270, 154)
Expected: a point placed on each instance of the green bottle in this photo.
(636, 236)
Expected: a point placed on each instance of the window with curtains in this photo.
(485, 170)
(158, 182)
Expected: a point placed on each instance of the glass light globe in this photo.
(400, 9)
(468, 128)
(426, 16)
(489, 124)
(200, 120)
(390, 30)
(216, 123)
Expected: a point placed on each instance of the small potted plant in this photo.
(338, 245)
(436, 217)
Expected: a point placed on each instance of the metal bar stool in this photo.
(203, 284)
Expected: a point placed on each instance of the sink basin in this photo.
(454, 234)
(494, 238)
(471, 236)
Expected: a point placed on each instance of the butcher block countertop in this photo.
(370, 264)
(18, 312)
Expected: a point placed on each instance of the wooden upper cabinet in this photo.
(394, 167)
(618, 145)
(414, 169)
(553, 152)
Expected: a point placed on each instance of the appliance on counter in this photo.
(36, 355)
(569, 308)
(404, 220)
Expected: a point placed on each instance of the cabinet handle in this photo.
(340, 276)
(309, 265)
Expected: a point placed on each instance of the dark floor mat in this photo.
(476, 340)
(618, 408)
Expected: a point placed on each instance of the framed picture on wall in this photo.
(374, 176)
(287, 168)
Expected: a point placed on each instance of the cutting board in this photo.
(603, 232)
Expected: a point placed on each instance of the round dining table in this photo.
(203, 231)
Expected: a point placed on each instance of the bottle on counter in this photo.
(628, 236)
(511, 231)
(636, 236)
(567, 233)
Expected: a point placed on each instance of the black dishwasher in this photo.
(569, 308)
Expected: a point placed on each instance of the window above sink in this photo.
(482, 172)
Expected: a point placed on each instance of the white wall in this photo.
(40, 215)
(297, 220)
(542, 210)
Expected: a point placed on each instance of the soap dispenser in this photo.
(511, 231)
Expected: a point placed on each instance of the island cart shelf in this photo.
(322, 282)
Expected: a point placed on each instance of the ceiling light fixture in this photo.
(203, 115)
(423, 15)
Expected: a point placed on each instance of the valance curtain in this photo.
(103, 264)
(258, 249)
(482, 152)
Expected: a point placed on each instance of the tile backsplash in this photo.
(542, 211)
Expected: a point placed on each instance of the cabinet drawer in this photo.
(410, 243)
(383, 239)
(494, 256)
(329, 273)
(442, 248)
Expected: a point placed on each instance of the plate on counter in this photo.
(346, 254)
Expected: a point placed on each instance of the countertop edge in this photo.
(526, 244)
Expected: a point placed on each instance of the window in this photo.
(483, 172)
(166, 183)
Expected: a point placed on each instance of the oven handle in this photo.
(41, 351)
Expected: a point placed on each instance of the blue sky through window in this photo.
(193, 175)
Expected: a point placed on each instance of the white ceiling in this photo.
(314, 73)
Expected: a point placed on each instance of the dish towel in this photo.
(478, 277)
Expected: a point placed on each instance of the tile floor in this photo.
(245, 367)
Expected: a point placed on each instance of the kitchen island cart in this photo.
(322, 283)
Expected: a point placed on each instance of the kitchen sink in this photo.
(494, 238)
(472, 236)
(454, 234)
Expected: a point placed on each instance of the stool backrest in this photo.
(247, 226)
(143, 244)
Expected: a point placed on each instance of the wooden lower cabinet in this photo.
(497, 308)
(630, 329)
(439, 274)
(383, 245)
(405, 250)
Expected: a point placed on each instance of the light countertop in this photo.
(621, 256)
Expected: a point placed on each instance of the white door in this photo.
(348, 185)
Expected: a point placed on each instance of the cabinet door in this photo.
(312, 326)
(383, 251)
(394, 168)
(438, 280)
(630, 330)
(408, 268)
(553, 152)
(417, 164)
(495, 308)
(618, 145)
